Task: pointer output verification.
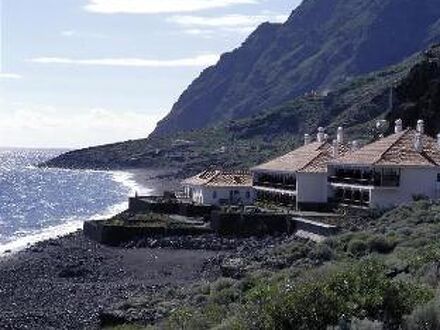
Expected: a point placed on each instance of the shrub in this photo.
(381, 244)
(322, 252)
(357, 247)
(426, 317)
(361, 290)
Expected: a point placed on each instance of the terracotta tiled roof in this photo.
(396, 149)
(219, 178)
(311, 158)
(201, 178)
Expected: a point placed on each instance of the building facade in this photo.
(391, 171)
(299, 178)
(218, 187)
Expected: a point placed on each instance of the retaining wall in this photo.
(250, 224)
(115, 235)
(139, 205)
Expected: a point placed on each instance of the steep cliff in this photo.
(322, 43)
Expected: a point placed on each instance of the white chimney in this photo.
(321, 134)
(335, 149)
(438, 140)
(355, 145)
(399, 126)
(418, 143)
(307, 139)
(421, 126)
(340, 135)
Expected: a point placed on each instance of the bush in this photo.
(322, 252)
(359, 291)
(357, 247)
(426, 317)
(381, 244)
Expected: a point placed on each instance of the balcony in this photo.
(366, 178)
(351, 197)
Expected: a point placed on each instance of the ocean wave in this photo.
(128, 180)
(69, 226)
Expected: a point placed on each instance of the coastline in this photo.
(66, 283)
(133, 180)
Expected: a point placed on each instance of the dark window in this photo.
(438, 177)
(248, 194)
(214, 194)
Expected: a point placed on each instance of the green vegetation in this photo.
(385, 275)
(355, 104)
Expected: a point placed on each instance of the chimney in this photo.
(335, 149)
(399, 126)
(355, 145)
(340, 135)
(420, 126)
(321, 134)
(307, 139)
(418, 143)
(438, 140)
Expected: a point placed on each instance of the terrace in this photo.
(366, 177)
(275, 181)
(351, 196)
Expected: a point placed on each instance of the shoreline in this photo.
(136, 180)
(66, 283)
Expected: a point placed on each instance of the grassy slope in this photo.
(385, 275)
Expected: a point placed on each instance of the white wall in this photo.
(311, 187)
(413, 181)
(205, 195)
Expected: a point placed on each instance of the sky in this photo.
(77, 73)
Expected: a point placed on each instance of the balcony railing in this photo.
(350, 201)
(276, 185)
(375, 179)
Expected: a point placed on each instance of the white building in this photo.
(299, 178)
(388, 172)
(218, 187)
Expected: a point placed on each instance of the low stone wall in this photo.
(154, 205)
(247, 224)
(115, 235)
(314, 227)
(250, 224)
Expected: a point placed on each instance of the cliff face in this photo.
(322, 43)
(418, 96)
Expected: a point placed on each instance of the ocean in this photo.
(40, 203)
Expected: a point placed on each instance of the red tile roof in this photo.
(396, 149)
(310, 158)
(220, 178)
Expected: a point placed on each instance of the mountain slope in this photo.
(355, 104)
(322, 43)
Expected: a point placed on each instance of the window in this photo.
(438, 177)
(214, 194)
(248, 194)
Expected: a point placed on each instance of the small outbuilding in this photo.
(220, 187)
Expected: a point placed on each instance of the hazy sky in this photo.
(76, 73)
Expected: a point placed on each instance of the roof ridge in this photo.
(320, 152)
(425, 154)
(218, 172)
(392, 145)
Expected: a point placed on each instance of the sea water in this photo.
(42, 203)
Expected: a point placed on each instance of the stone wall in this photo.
(250, 224)
(154, 205)
(115, 235)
